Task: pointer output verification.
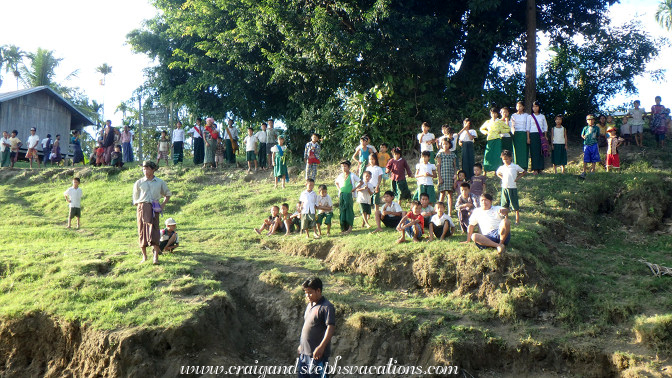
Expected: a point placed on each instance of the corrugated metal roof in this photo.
(79, 116)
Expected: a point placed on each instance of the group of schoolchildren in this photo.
(10, 145)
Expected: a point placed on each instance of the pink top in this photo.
(125, 137)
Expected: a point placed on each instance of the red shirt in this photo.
(398, 169)
(419, 218)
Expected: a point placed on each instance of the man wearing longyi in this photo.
(146, 194)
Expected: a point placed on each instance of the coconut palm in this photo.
(664, 14)
(41, 70)
(104, 69)
(13, 57)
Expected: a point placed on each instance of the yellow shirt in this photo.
(14, 142)
(493, 129)
(383, 158)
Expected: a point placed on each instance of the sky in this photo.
(88, 33)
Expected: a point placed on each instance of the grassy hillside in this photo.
(570, 281)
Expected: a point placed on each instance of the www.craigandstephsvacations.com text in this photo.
(261, 371)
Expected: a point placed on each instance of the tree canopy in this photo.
(348, 66)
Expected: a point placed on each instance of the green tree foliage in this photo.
(12, 57)
(343, 66)
(664, 14)
(581, 78)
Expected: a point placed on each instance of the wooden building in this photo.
(44, 109)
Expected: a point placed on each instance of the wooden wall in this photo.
(39, 110)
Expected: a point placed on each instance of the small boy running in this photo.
(325, 209)
(440, 225)
(411, 224)
(510, 173)
(73, 196)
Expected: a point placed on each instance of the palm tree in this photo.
(104, 69)
(664, 14)
(41, 70)
(13, 56)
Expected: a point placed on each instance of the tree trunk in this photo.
(531, 61)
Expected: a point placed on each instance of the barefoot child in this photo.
(365, 191)
(510, 173)
(398, 169)
(251, 141)
(446, 166)
(411, 224)
(425, 172)
(285, 223)
(33, 141)
(390, 214)
(73, 196)
(169, 240)
(295, 218)
(376, 180)
(559, 145)
(441, 225)
(271, 222)
(346, 183)
(591, 153)
(14, 145)
(279, 161)
(308, 200)
(613, 160)
(325, 209)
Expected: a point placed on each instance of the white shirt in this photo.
(376, 172)
(340, 180)
(44, 143)
(261, 136)
(308, 202)
(149, 190)
(558, 135)
(465, 138)
(438, 222)
(276, 148)
(324, 201)
(75, 196)
(4, 140)
(232, 130)
(393, 208)
(33, 141)
(637, 116)
(487, 220)
(532, 126)
(519, 121)
(178, 135)
(509, 174)
(194, 132)
(364, 196)
(424, 146)
(250, 142)
(421, 169)
(442, 137)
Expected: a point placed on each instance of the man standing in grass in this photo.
(74, 198)
(319, 324)
(146, 193)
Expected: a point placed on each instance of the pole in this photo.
(140, 127)
(531, 56)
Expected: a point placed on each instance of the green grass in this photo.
(574, 256)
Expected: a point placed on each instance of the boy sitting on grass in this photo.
(325, 208)
(441, 225)
(426, 209)
(390, 213)
(74, 198)
(411, 224)
(284, 220)
(295, 218)
(169, 240)
(270, 223)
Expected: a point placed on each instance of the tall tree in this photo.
(664, 14)
(42, 71)
(105, 70)
(531, 56)
(13, 57)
